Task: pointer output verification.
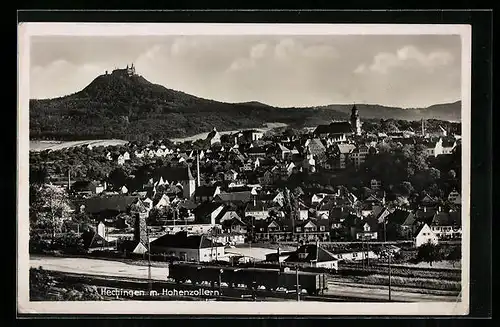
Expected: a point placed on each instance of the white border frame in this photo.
(26, 30)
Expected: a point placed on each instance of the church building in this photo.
(339, 130)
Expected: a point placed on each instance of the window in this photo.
(322, 228)
(297, 229)
(354, 254)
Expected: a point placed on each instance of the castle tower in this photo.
(355, 121)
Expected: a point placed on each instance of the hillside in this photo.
(130, 107)
(446, 111)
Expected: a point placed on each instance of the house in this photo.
(343, 255)
(258, 209)
(312, 255)
(256, 152)
(235, 225)
(447, 225)
(303, 211)
(403, 218)
(229, 238)
(283, 151)
(132, 246)
(205, 193)
(343, 155)
(369, 230)
(190, 228)
(88, 187)
(178, 175)
(272, 197)
(235, 198)
(163, 202)
(454, 197)
(375, 184)
(309, 230)
(448, 145)
(359, 154)
(139, 154)
(213, 137)
(230, 175)
(196, 248)
(425, 235)
(207, 212)
(315, 147)
(433, 148)
(148, 203)
(317, 198)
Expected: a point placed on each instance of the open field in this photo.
(202, 136)
(59, 145)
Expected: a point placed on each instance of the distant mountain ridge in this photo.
(444, 111)
(130, 107)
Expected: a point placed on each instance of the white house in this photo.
(197, 248)
(163, 202)
(425, 235)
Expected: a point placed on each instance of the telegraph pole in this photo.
(149, 261)
(389, 276)
(389, 256)
(297, 282)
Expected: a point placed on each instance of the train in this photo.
(273, 280)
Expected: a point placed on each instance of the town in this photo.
(342, 195)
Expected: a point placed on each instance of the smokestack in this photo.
(69, 179)
(198, 168)
(423, 127)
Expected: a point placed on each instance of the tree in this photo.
(49, 207)
(429, 252)
(455, 254)
(118, 177)
(452, 174)
(70, 243)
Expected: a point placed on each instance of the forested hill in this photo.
(122, 107)
(445, 111)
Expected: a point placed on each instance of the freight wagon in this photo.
(252, 278)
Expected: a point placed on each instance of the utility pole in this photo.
(297, 282)
(389, 256)
(149, 261)
(389, 276)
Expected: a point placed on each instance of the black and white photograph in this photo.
(244, 168)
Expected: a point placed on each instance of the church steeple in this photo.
(355, 121)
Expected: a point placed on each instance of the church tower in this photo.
(355, 121)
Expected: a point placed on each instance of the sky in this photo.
(285, 71)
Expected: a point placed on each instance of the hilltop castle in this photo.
(127, 71)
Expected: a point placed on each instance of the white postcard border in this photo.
(27, 30)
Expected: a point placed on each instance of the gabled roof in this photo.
(345, 148)
(176, 174)
(258, 206)
(446, 219)
(401, 217)
(312, 253)
(182, 241)
(241, 197)
(118, 203)
(334, 128)
(316, 147)
(205, 190)
(206, 208)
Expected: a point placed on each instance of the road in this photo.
(110, 268)
(97, 267)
